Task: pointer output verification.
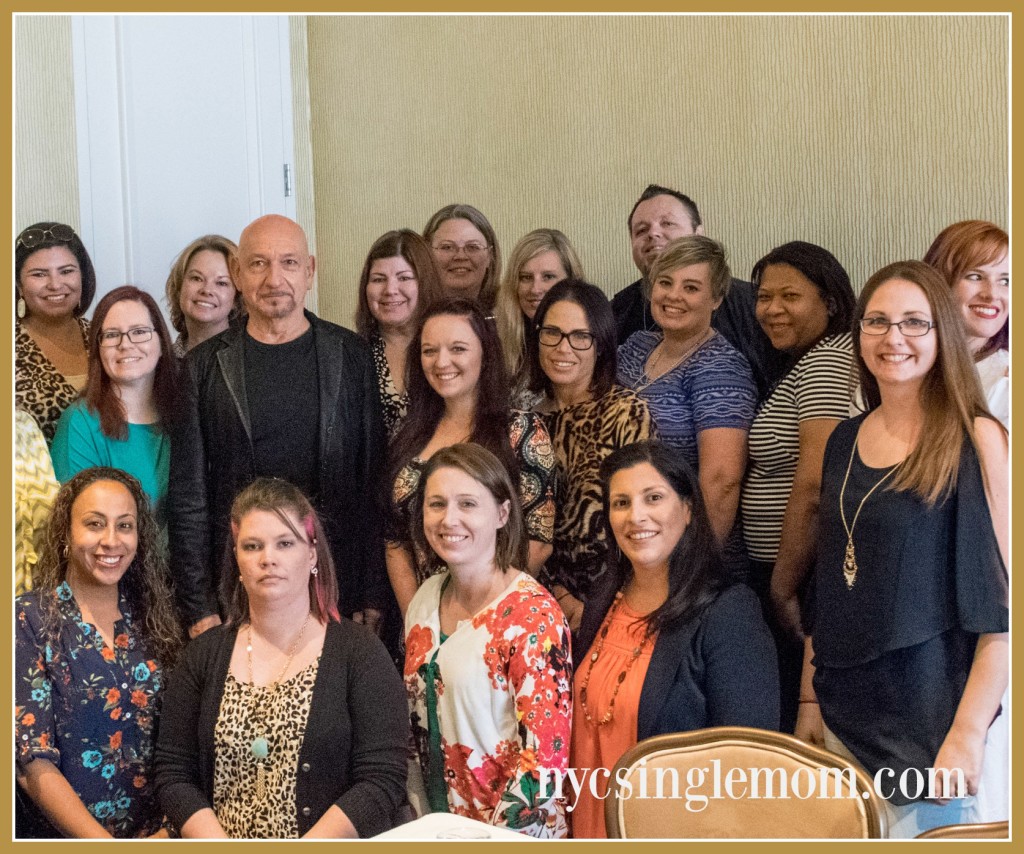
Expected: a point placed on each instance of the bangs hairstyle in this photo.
(951, 394)
(426, 406)
(512, 323)
(653, 191)
(601, 321)
(100, 395)
(22, 254)
(404, 243)
(696, 573)
(489, 288)
(145, 585)
(172, 290)
(688, 250)
(278, 496)
(823, 270)
(965, 246)
(511, 548)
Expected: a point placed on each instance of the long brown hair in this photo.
(99, 393)
(403, 243)
(951, 394)
(965, 246)
(145, 585)
(278, 496)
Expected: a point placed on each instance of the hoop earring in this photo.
(22, 308)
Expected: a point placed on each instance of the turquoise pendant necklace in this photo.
(259, 748)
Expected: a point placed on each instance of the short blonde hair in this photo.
(693, 249)
(208, 242)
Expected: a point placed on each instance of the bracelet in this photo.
(809, 701)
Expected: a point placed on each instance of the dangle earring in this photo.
(22, 309)
(313, 570)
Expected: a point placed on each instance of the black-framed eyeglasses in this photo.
(137, 335)
(32, 237)
(579, 339)
(912, 327)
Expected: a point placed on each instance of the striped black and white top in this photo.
(818, 386)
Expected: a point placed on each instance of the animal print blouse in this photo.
(39, 388)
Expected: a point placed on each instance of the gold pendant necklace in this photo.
(259, 749)
(850, 558)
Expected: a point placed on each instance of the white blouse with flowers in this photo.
(491, 705)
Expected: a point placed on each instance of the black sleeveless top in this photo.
(892, 653)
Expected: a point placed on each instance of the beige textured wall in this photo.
(46, 163)
(864, 134)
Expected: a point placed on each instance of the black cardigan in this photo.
(719, 669)
(354, 750)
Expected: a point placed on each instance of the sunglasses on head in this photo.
(32, 237)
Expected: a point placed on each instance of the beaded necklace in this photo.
(596, 654)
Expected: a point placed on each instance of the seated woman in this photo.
(458, 392)
(669, 643)
(288, 721)
(398, 281)
(588, 417)
(698, 387)
(55, 283)
(541, 259)
(35, 488)
(908, 647)
(467, 254)
(92, 642)
(805, 306)
(201, 294)
(973, 257)
(487, 667)
(122, 419)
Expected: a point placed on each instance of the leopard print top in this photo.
(281, 719)
(39, 388)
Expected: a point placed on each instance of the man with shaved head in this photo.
(282, 394)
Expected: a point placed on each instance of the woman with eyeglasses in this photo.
(458, 392)
(466, 250)
(974, 257)
(699, 388)
(54, 283)
(907, 656)
(121, 419)
(588, 417)
(804, 303)
(201, 294)
(541, 259)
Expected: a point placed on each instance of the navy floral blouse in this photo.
(90, 710)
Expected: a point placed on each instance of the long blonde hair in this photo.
(511, 321)
(951, 395)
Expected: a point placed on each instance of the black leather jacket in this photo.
(212, 459)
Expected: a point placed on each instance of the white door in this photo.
(184, 127)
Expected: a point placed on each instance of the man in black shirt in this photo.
(659, 217)
(285, 395)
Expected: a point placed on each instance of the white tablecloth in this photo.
(439, 825)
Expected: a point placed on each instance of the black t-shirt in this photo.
(284, 407)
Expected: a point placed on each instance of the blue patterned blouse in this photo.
(90, 710)
(712, 388)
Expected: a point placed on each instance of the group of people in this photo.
(298, 580)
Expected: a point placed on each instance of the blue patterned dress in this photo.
(90, 710)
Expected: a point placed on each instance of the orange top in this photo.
(600, 747)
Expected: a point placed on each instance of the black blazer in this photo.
(212, 459)
(354, 752)
(719, 669)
